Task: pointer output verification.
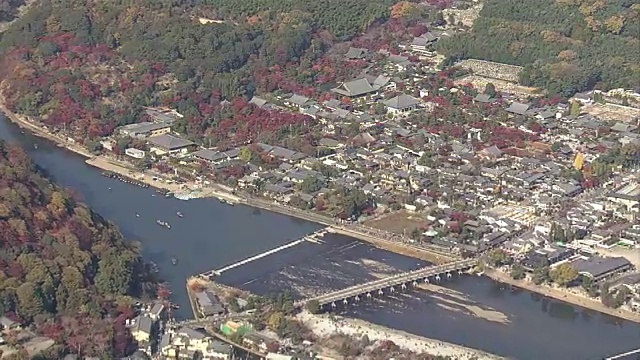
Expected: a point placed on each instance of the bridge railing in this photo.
(393, 280)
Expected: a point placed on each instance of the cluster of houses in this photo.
(190, 344)
(14, 336)
(148, 325)
(503, 192)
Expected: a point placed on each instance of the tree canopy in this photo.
(565, 46)
(63, 270)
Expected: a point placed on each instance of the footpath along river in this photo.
(472, 311)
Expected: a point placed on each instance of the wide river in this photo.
(474, 311)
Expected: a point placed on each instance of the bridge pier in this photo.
(389, 284)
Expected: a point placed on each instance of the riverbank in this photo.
(562, 295)
(380, 238)
(156, 180)
(38, 130)
(326, 325)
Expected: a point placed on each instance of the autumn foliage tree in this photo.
(64, 268)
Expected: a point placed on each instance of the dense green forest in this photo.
(565, 45)
(64, 270)
(342, 18)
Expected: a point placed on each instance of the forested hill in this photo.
(566, 45)
(270, 32)
(342, 18)
(63, 269)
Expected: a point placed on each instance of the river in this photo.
(474, 312)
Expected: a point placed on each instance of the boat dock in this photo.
(313, 237)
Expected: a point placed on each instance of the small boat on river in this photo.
(163, 223)
(174, 261)
(179, 214)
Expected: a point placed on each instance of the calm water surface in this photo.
(212, 235)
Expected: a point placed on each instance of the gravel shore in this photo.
(325, 325)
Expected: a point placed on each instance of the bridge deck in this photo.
(393, 281)
(310, 237)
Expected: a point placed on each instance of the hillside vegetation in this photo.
(565, 45)
(90, 66)
(63, 269)
(9, 9)
(169, 31)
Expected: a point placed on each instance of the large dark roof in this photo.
(598, 266)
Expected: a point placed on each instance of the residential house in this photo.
(141, 328)
(421, 43)
(284, 154)
(356, 53)
(8, 324)
(145, 129)
(169, 144)
(210, 156)
(491, 152)
(484, 98)
(401, 104)
(165, 347)
(191, 340)
(163, 115)
(627, 195)
(217, 350)
(277, 191)
(546, 114)
(298, 101)
(259, 102)
(400, 62)
(518, 108)
(622, 127)
(256, 341)
(566, 189)
(157, 310)
(208, 303)
(330, 143)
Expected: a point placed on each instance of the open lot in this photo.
(501, 85)
(612, 112)
(399, 222)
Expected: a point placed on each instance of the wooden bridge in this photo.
(388, 284)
